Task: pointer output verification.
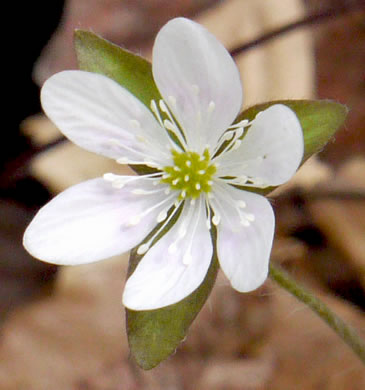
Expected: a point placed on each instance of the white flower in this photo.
(196, 174)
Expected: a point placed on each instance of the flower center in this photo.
(191, 174)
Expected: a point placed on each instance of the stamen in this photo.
(245, 218)
(241, 204)
(171, 124)
(250, 217)
(208, 213)
(162, 216)
(156, 112)
(119, 181)
(216, 219)
(140, 191)
(142, 249)
(232, 137)
(243, 123)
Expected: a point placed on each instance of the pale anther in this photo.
(211, 106)
(216, 219)
(250, 217)
(162, 216)
(201, 172)
(188, 163)
(163, 106)
(186, 178)
(197, 186)
(142, 249)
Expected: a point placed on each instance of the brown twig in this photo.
(314, 18)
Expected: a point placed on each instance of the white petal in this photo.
(99, 115)
(193, 67)
(92, 221)
(162, 278)
(244, 251)
(271, 150)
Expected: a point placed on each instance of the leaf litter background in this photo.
(63, 328)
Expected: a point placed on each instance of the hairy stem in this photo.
(346, 332)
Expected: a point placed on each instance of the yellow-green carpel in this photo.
(191, 174)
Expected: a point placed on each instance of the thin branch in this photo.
(314, 18)
(344, 331)
(18, 168)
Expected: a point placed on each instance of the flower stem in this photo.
(346, 332)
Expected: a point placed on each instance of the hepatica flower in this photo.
(205, 168)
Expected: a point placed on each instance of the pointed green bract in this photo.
(320, 119)
(95, 54)
(154, 335)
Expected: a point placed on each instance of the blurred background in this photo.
(64, 328)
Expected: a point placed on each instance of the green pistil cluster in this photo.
(191, 175)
